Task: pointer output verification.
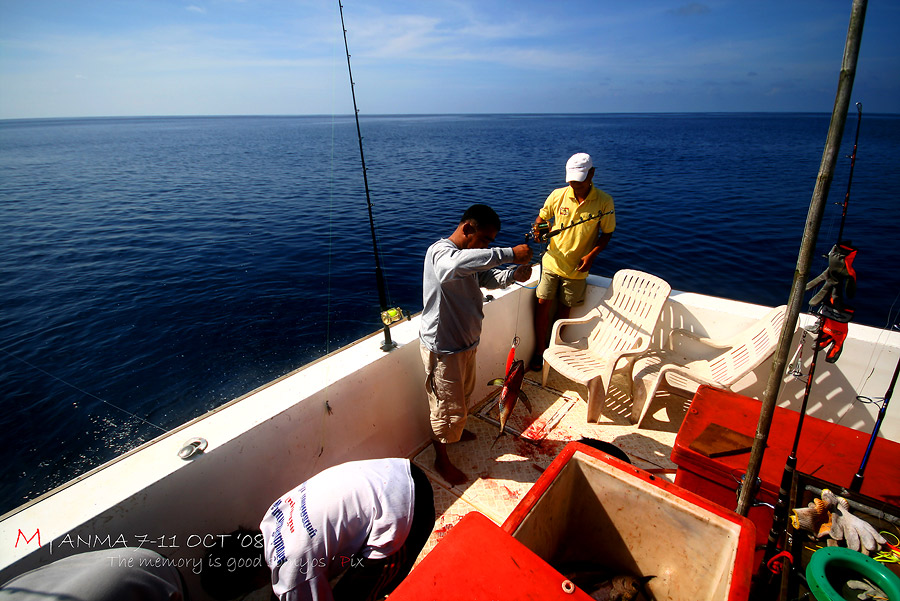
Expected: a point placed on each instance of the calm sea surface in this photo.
(152, 269)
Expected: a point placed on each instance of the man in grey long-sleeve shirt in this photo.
(456, 268)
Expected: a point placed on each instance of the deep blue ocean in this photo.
(154, 268)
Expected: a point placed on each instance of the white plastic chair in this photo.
(740, 354)
(625, 316)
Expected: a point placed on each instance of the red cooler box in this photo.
(828, 451)
(590, 507)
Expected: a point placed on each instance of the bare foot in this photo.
(466, 436)
(445, 467)
(449, 472)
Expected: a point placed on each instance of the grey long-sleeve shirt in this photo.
(451, 293)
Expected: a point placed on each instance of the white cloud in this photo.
(448, 55)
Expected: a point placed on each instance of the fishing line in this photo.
(81, 390)
(824, 304)
(515, 342)
(331, 199)
(538, 263)
(539, 266)
(326, 410)
(846, 201)
(879, 346)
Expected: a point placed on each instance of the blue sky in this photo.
(61, 58)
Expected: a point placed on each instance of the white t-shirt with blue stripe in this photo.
(360, 509)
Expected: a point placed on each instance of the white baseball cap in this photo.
(577, 167)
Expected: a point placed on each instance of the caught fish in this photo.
(619, 588)
(511, 392)
(602, 584)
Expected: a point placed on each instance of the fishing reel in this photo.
(540, 233)
(393, 315)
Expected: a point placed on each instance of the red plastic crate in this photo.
(828, 451)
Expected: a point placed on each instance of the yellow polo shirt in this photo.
(567, 248)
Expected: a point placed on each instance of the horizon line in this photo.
(380, 115)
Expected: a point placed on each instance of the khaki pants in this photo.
(449, 382)
(571, 291)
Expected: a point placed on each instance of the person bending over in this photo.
(349, 533)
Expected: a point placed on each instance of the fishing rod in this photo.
(782, 509)
(796, 363)
(543, 233)
(832, 317)
(857, 481)
(540, 233)
(850, 179)
(388, 315)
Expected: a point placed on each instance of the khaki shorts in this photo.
(449, 382)
(572, 289)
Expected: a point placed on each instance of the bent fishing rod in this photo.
(388, 315)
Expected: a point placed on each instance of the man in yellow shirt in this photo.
(571, 252)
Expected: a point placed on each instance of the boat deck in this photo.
(500, 476)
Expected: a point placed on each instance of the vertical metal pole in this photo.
(807, 247)
(763, 583)
(379, 274)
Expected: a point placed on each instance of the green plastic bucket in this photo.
(828, 560)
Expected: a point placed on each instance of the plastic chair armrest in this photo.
(700, 339)
(685, 373)
(555, 336)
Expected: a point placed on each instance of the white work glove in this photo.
(869, 590)
(858, 534)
